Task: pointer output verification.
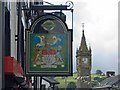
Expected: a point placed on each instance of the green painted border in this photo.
(62, 72)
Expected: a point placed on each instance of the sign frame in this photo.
(30, 72)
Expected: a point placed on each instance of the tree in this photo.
(98, 79)
(71, 86)
(94, 83)
(99, 72)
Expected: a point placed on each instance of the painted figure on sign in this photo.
(58, 54)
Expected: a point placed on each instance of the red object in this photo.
(12, 67)
(29, 84)
(48, 52)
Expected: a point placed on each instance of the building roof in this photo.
(113, 80)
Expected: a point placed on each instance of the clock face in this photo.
(85, 60)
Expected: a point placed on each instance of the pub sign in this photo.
(49, 47)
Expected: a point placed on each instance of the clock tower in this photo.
(83, 64)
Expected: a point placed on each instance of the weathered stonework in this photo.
(83, 64)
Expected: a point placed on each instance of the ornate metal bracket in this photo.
(69, 4)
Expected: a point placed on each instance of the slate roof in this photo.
(113, 80)
(111, 83)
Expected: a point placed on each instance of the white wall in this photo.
(13, 27)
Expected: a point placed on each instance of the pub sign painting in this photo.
(48, 53)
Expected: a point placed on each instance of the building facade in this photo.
(83, 63)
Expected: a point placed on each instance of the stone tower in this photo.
(83, 64)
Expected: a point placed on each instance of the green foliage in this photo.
(96, 79)
(99, 72)
(65, 81)
(94, 83)
(71, 85)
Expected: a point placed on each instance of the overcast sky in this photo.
(101, 31)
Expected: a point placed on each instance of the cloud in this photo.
(100, 31)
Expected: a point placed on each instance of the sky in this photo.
(101, 31)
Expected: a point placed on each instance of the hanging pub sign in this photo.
(49, 47)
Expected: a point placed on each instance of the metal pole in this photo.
(41, 83)
(19, 34)
(35, 82)
(2, 44)
(65, 82)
